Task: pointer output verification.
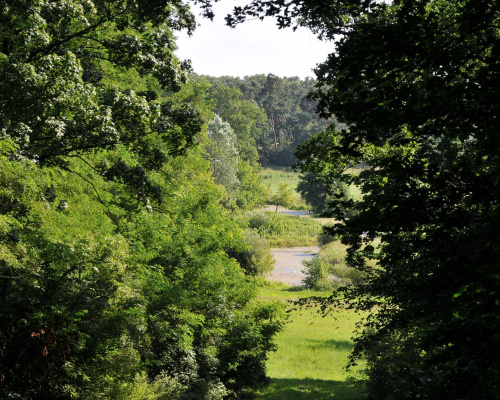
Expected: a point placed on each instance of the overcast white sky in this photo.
(254, 47)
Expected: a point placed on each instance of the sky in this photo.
(251, 48)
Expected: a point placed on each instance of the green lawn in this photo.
(312, 353)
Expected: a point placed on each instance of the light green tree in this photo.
(115, 274)
(222, 152)
(284, 197)
(251, 192)
(246, 118)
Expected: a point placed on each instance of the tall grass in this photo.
(312, 353)
(283, 230)
(272, 178)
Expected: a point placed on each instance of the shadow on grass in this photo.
(310, 389)
(295, 288)
(330, 344)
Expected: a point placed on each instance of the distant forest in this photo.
(284, 116)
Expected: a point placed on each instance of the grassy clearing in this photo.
(283, 230)
(312, 353)
(272, 178)
(277, 291)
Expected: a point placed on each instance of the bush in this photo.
(317, 275)
(328, 270)
(257, 259)
(259, 220)
(325, 238)
(245, 346)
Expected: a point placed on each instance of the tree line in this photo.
(283, 116)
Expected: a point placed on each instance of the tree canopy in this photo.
(271, 115)
(416, 83)
(117, 277)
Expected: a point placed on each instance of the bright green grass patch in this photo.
(312, 353)
(283, 230)
(273, 290)
(273, 177)
(310, 389)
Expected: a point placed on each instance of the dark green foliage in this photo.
(417, 83)
(248, 342)
(314, 192)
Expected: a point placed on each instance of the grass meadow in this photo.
(312, 352)
(283, 230)
(313, 349)
(273, 177)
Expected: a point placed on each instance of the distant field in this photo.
(283, 230)
(312, 353)
(274, 177)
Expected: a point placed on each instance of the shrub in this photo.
(325, 238)
(259, 220)
(256, 259)
(328, 270)
(317, 275)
